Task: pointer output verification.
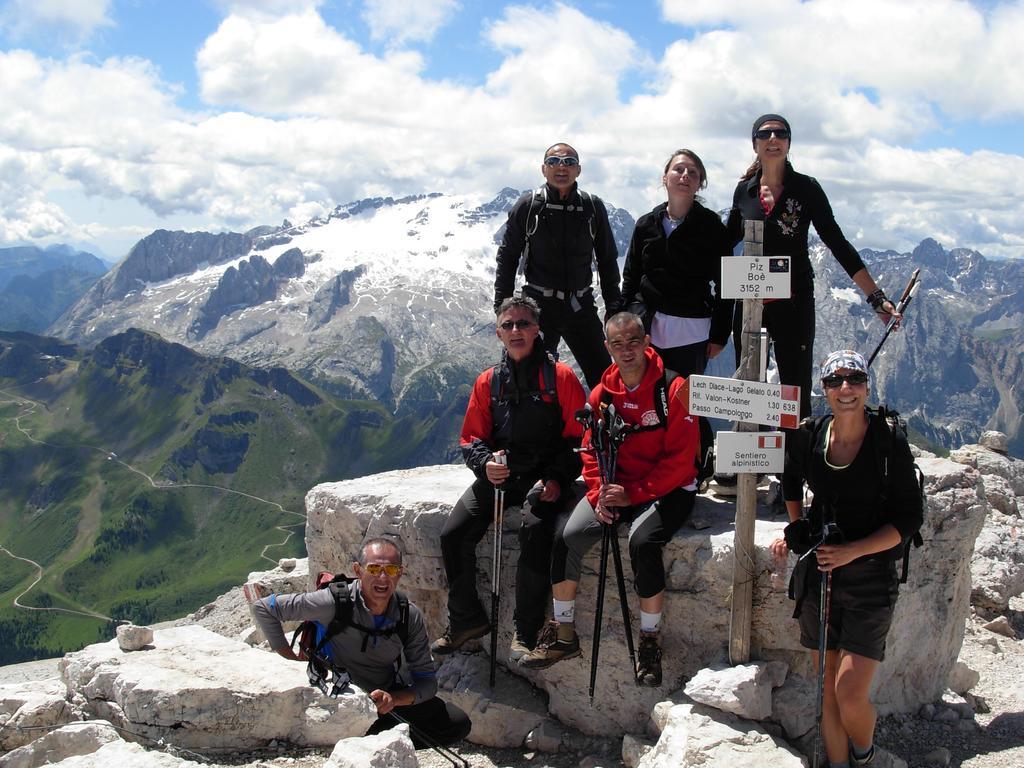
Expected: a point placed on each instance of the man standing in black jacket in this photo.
(559, 230)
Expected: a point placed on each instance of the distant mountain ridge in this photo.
(38, 284)
(117, 466)
(390, 300)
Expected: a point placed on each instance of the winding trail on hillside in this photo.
(39, 577)
(29, 407)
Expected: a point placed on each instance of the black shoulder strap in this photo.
(549, 378)
(403, 617)
(342, 609)
(495, 385)
(591, 212)
(661, 396)
(884, 449)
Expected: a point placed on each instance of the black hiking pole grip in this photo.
(905, 298)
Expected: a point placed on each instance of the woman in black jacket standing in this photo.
(861, 472)
(673, 269)
(788, 203)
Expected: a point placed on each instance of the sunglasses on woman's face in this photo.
(836, 380)
(766, 133)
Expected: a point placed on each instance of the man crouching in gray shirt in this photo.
(371, 654)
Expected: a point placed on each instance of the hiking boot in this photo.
(868, 759)
(517, 648)
(557, 642)
(453, 639)
(648, 668)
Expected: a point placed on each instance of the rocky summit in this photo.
(208, 691)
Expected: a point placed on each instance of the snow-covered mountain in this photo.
(391, 299)
(383, 298)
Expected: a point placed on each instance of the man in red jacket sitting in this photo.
(523, 411)
(653, 492)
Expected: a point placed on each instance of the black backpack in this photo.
(539, 201)
(313, 638)
(882, 442)
(500, 411)
(705, 460)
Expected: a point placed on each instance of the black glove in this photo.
(798, 536)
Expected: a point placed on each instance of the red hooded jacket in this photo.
(652, 463)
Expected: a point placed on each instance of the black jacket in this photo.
(858, 498)
(562, 250)
(803, 202)
(674, 275)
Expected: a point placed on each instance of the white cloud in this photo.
(73, 20)
(404, 22)
(301, 117)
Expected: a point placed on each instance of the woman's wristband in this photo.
(877, 298)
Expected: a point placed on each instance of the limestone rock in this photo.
(413, 506)
(928, 623)
(634, 748)
(60, 744)
(994, 441)
(744, 690)
(546, 737)
(389, 749)
(962, 678)
(793, 705)
(125, 753)
(203, 691)
(133, 638)
(997, 566)
(502, 717)
(1001, 626)
(39, 703)
(228, 615)
(695, 735)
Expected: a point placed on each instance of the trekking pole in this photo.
(829, 532)
(499, 514)
(617, 434)
(600, 445)
(824, 607)
(448, 754)
(908, 295)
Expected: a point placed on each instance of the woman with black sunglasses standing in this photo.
(788, 203)
(867, 505)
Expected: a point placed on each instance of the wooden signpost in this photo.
(750, 277)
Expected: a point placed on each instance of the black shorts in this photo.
(863, 599)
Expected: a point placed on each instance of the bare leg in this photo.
(852, 689)
(653, 604)
(564, 590)
(832, 732)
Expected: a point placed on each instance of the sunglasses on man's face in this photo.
(568, 162)
(766, 133)
(376, 569)
(519, 325)
(836, 380)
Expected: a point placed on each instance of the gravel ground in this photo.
(993, 737)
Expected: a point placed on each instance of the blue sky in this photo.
(123, 116)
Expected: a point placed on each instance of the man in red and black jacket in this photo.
(522, 410)
(653, 492)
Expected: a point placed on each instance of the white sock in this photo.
(649, 622)
(565, 611)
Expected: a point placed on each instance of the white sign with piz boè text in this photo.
(755, 277)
